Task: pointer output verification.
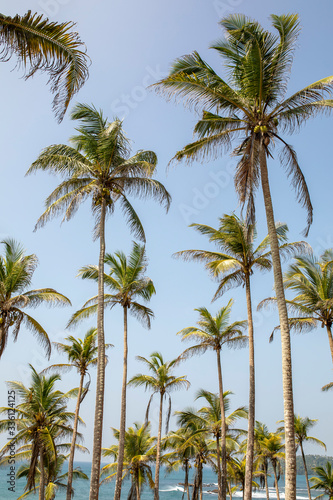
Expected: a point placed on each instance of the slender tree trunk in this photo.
(158, 451)
(251, 417)
(330, 338)
(305, 471)
(266, 483)
(71, 455)
(218, 459)
(276, 483)
(122, 430)
(137, 485)
(99, 408)
(41, 495)
(200, 479)
(230, 492)
(290, 473)
(186, 488)
(223, 432)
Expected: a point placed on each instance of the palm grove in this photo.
(248, 112)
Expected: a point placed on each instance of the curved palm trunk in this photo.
(137, 485)
(122, 428)
(158, 451)
(41, 495)
(251, 422)
(330, 338)
(290, 481)
(276, 482)
(99, 408)
(230, 492)
(223, 432)
(71, 455)
(186, 487)
(305, 470)
(219, 474)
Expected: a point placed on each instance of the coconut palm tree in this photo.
(162, 382)
(251, 106)
(127, 282)
(55, 479)
(139, 452)
(324, 481)
(232, 265)
(99, 167)
(302, 427)
(41, 418)
(312, 280)
(182, 453)
(272, 446)
(16, 272)
(81, 355)
(49, 47)
(212, 333)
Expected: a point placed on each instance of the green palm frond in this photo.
(42, 45)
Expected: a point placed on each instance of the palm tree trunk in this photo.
(330, 338)
(122, 416)
(223, 432)
(276, 482)
(290, 473)
(251, 416)
(305, 470)
(158, 451)
(186, 487)
(137, 485)
(266, 483)
(41, 495)
(230, 492)
(71, 455)
(218, 459)
(99, 408)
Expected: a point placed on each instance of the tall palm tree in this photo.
(81, 355)
(41, 418)
(272, 447)
(139, 454)
(16, 272)
(162, 382)
(99, 167)
(212, 333)
(324, 481)
(302, 427)
(127, 282)
(233, 265)
(47, 46)
(251, 106)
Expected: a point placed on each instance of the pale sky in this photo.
(131, 45)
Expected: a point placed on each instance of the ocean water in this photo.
(170, 489)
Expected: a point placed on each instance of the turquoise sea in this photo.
(170, 489)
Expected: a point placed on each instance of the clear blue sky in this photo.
(131, 45)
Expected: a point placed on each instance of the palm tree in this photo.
(55, 481)
(324, 481)
(41, 418)
(182, 453)
(162, 382)
(211, 418)
(212, 333)
(46, 46)
(233, 265)
(81, 355)
(127, 281)
(251, 106)
(16, 271)
(138, 455)
(99, 167)
(272, 448)
(312, 279)
(302, 427)
(261, 432)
